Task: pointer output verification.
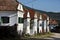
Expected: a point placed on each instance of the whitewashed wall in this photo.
(40, 24)
(25, 25)
(45, 25)
(20, 25)
(13, 20)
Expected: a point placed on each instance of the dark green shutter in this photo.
(5, 19)
(20, 20)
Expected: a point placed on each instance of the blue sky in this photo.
(45, 5)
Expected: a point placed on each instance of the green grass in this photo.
(45, 35)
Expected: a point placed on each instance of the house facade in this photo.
(28, 21)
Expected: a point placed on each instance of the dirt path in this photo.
(55, 36)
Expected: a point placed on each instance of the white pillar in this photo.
(28, 24)
(47, 24)
(35, 24)
(40, 24)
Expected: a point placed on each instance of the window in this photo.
(20, 20)
(5, 19)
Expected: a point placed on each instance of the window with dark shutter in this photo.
(5, 19)
(20, 20)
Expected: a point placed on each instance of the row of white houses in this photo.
(15, 15)
(37, 25)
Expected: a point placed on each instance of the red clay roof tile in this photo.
(8, 5)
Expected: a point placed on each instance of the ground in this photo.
(55, 36)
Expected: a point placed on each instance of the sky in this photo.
(45, 5)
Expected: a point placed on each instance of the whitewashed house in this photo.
(8, 12)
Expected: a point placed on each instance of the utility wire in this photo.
(31, 1)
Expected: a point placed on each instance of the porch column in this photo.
(28, 23)
(47, 24)
(40, 24)
(35, 24)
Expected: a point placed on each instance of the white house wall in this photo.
(40, 26)
(25, 24)
(45, 25)
(35, 26)
(28, 26)
(20, 14)
(13, 20)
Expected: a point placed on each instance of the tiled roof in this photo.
(32, 13)
(25, 13)
(8, 5)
